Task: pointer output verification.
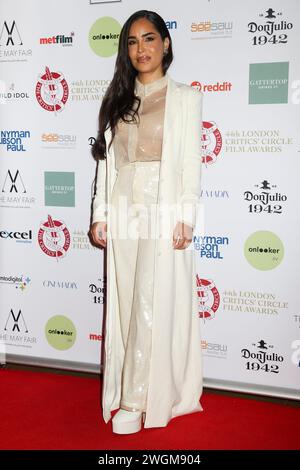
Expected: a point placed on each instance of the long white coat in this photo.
(175, 377)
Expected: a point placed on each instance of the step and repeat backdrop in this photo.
(56, 62)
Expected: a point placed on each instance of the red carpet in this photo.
(51, 411)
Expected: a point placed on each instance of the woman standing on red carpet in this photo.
(144, 213)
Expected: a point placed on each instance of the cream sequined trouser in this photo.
(134, 204)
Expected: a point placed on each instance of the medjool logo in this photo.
(60, 332)
(268, 83)
(104, 36)
(264, 250)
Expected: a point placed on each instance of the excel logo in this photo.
(268, 83)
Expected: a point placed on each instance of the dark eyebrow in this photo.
(143, 35)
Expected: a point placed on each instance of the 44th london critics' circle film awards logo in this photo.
(54, 238)
(52, 91)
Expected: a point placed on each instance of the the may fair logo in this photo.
(210, 246)
(208, 298)
(14, 192)
(16, 330)
(261, 357)
(54, 238)
(265, 199)
(211, 142)
(11, 43)
(52, 91)
(270, 29)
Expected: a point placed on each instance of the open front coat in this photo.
(175, 377)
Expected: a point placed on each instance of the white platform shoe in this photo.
(127, 422)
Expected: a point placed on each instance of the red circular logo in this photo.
(52, 91)
(54, 238)
(209, 298)
(211, 142)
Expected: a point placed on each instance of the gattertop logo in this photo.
(59, 188)
(268, 83)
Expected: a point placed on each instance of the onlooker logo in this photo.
(60, 332)
(264, 250)
(104, 36)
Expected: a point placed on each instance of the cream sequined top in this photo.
(143, 141)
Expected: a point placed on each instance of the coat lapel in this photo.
(172, 108)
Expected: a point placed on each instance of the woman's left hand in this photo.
(182, 236)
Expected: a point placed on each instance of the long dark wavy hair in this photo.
(119, 99)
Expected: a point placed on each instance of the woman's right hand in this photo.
(98, 232)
